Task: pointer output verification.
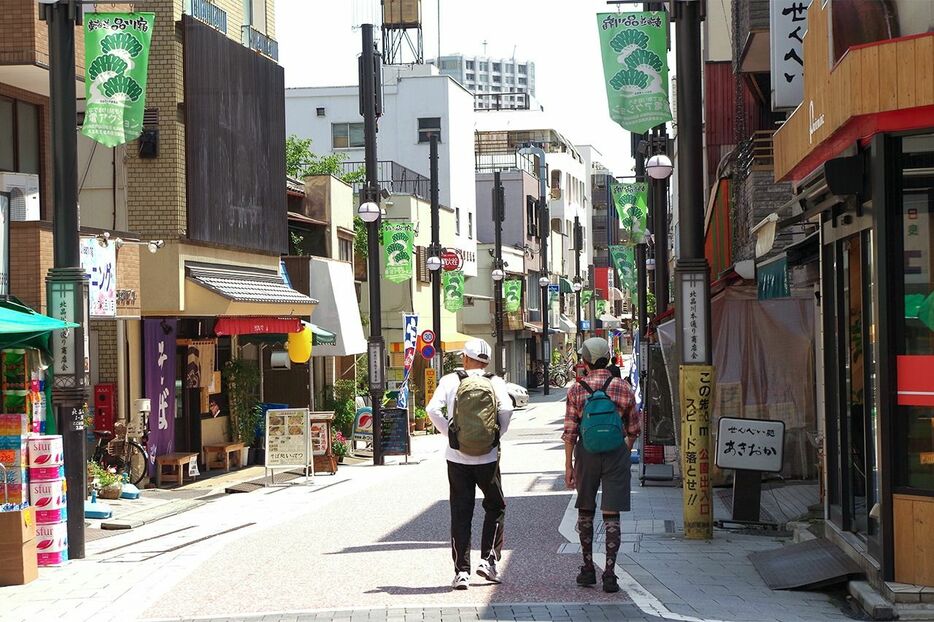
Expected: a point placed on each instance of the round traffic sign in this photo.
(450, 260)
(428, 352)
(428, 337)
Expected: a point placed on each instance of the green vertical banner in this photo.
(512, 295)
(586, 297)
(453, 285)
(632, 207)
(601, 308)
(398, 239)
(116, 54)
(635, 65)
(624, 260)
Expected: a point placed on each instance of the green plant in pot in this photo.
(421, 419)
(107, 482)
(339, 445)
(242, 390)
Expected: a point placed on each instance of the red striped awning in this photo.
(256, 325)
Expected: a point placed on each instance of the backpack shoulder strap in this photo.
(586, 386)
(606, 385)
(489, 375)
(461, 374)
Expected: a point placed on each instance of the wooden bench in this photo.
(178, 462)
(218, 455)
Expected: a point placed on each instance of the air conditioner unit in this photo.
(24, 195)
(279, 360)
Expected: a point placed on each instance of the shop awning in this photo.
(536, 327)
(567, 325)
(215, 290)
(20, 326)
(322, 336)
(614, 294)
(452, 341)
(566, 287)
(256, 325)
(332, 283)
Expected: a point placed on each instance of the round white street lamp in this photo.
(577, 286)
(659, 166)
(434, 263)
(369, 212)
(498, 275)
(544, 281)
(650, 264)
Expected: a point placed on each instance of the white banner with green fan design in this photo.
(116, 50)
(398, 240)
(512, 295)
(453, 285)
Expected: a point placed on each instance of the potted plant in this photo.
(339, 445)
(108, 482)
(421, 419)
(242, 388)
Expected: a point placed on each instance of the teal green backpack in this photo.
(601, 427)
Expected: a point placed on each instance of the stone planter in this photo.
(111, 492)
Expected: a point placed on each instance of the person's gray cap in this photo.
(478, 350)
(595, 349)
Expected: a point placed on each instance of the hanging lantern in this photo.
(300, 345)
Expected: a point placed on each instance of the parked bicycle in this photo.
(118, 451)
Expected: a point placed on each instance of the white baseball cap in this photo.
(478, 350)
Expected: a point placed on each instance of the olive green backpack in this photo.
(474, 428)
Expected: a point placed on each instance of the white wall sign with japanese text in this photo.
(750, 444)
(788, 23)
(100, 264)
(693, 311)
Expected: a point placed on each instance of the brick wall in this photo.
(30, 260)
(45, 139)
(106, 360)
(24, 38)
(754, 198)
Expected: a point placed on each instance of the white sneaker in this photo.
(487, 570)
(461, 581)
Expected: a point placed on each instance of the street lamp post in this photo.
(544, 230)
(692, 274)
(577, 286)
(371, 214)
(659, 169)
(434, 252)
(499, 215)
(66, 283)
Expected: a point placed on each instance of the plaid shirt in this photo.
(619, 391)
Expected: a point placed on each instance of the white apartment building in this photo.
(417, 100)
(504, 83)
(569, 174)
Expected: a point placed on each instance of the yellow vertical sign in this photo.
(697, 383)
(431, 383)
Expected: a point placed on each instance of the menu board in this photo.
(395, 428)
(319, 429)
(287, 437)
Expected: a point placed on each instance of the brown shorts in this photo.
(611, 471)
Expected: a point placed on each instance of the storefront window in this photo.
(915, 419)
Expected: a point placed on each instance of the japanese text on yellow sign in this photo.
(697, 382)
(431, 383)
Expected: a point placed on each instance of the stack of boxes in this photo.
(47, 494)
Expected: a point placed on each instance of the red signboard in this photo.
(916, 380)
(248, 325)
(450, 260)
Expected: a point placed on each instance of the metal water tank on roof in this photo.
(402, 13)
(24, 195)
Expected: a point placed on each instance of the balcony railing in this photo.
(210, 14)
(756, 153)
(392, 177)
(501, 101)
(255, 40)
(492, 162)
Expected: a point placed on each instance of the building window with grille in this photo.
(428, 126)
(254, 14)
(347, 135)
(470, 225)
(457, 221)
(531, 215)
(345, 250)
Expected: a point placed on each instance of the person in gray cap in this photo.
(600, 427)
(478, 411)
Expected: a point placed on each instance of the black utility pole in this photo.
(370, 104)
(642, 288)
(660, 205)
(499, 215)
(578, 247)
(435, 251)
(66, 282)
(692, 274)
(544, 230)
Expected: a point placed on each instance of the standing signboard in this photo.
(287, 440)
(749, 447)
(395, 437)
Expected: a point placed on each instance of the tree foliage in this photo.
(301, 162)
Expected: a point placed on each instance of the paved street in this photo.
(372, 544)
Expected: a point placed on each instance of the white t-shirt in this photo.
(444, 396)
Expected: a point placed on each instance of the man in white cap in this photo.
(600, 427)
(478, 410)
